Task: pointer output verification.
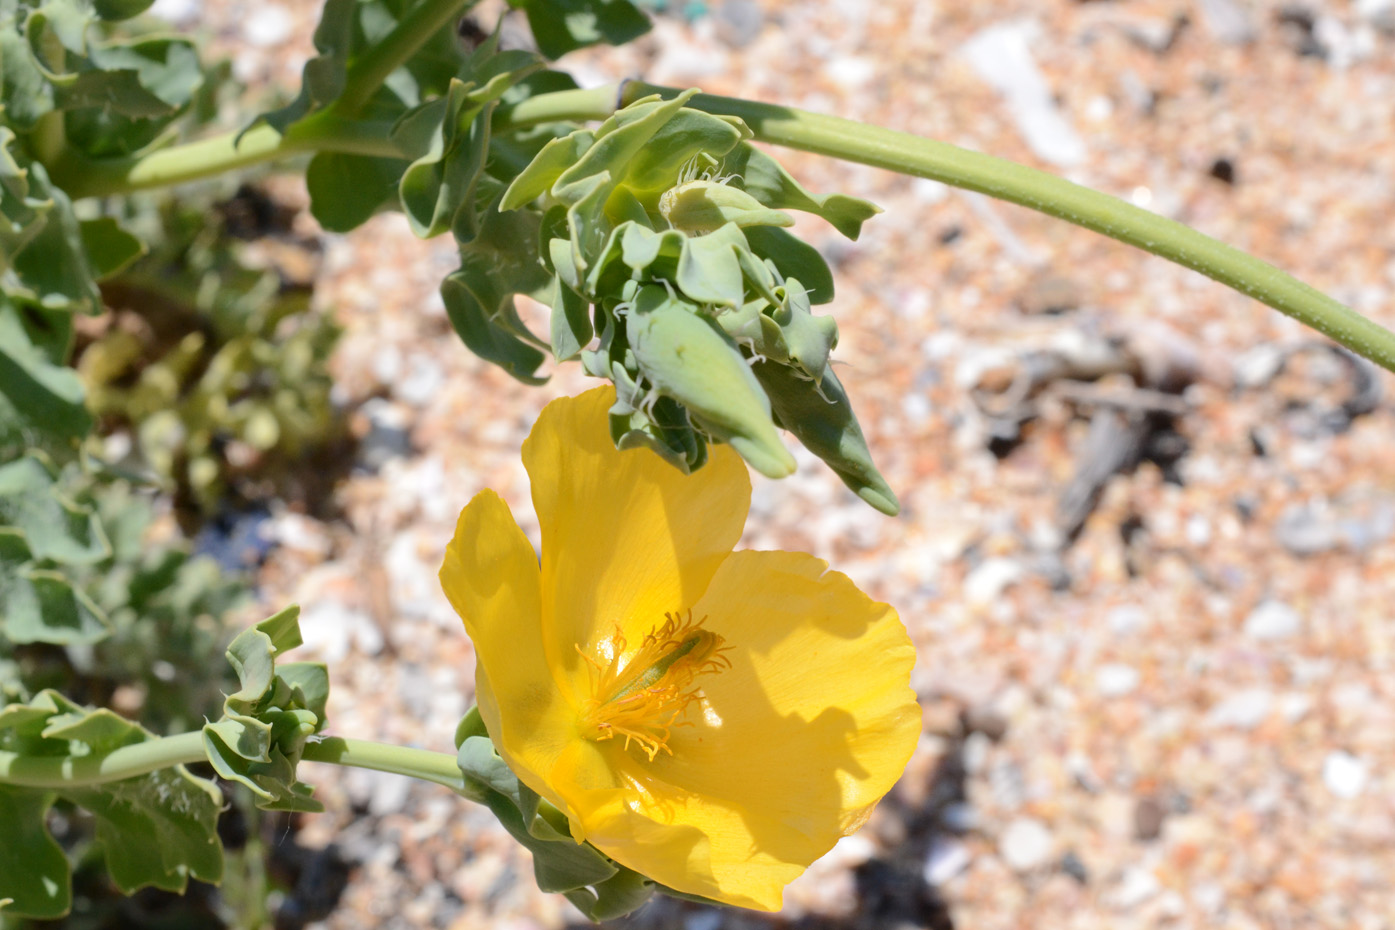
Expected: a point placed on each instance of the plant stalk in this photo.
(208, 158)
(186, 748)
(1039, 190)
(825, 135)
(412, 31)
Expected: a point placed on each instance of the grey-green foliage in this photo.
(80, 569)
(588, 221)
(158, 830)
(74, 85)
(154, 830)
(258, 741)
(245, 359)
(663, 230)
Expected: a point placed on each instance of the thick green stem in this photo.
(370, 69)
(207, 158)
(126, 762)
(438, 767)
(131, 761)
(1039, 190)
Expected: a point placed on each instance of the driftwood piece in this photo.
(1116, 442)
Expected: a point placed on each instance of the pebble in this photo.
(990, 578)
(1229, 21)
(1026, 844)
(1001, 55)
(1137, 885)
(1116, 680)
(1273, 620)
(269, 24)
(1344, 774)
(1244, 710)
(948, 856)
(330, 629)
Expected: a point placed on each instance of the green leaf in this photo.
(821, 417)
(110, 249)
(53, 528)
(50, 268)
(346, 190)
(34, 873)
(142, 78)
(40, 606)
(559, 862)
(501, 261)
(260, 738)
(323, 77)
(120, 9)
(158, 829)
(765, 179)
(24, 91)
(41, 400)
(795, 258)
(561, 26)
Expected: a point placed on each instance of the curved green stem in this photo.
(412, 31)
(1054, 196)
(126, 762)
(185, 748)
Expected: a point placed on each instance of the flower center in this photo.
(640, 694)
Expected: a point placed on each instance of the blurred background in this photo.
(1148, 525)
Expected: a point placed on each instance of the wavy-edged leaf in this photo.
(346, 190)
(155, 830)
(41, 400)
(765, 179)
(562, 26)
(34, 873)
(110, 249)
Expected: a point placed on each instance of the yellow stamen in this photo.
(641, 694)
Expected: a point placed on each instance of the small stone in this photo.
(1001, 55)
(1228, 21)
(1074, 866)
(1344, 774)
(1127, 619)
(1148, 816)
(1116, 679)
(1026, 844)
(990, 578)
(1137, 886)
(985, 719)
(948, 857)
(1273, 620)
(1244, 710)
(959, 817)
(975, 753)
(269, 24)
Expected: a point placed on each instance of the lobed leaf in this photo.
(158, 829)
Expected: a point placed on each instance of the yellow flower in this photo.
(714, 720)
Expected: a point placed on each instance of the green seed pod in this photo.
(684, 355)
(822, 418)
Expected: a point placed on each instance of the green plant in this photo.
(657, 236)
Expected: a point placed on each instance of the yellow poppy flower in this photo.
(714, 720)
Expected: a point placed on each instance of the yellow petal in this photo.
(490, 576)
(791, 748)
(626, 536)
